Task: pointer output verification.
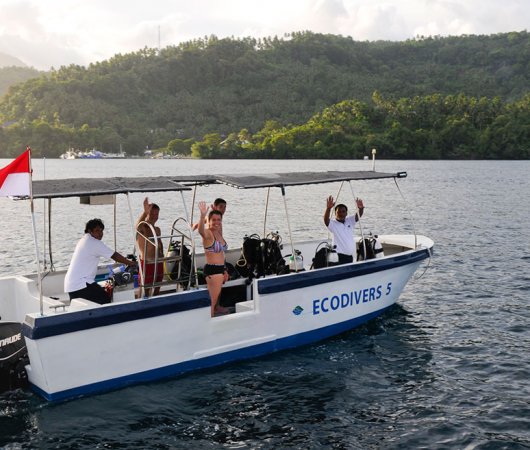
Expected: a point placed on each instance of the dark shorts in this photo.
(149, 272)
(93, 292)
(213, 269)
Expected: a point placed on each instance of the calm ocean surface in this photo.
(447, 367)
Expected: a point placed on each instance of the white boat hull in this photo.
(91, 350)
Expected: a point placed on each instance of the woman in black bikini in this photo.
(214, 251)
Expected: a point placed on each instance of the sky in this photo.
(53, 33)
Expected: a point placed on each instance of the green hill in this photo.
(12, 75)
(13, 71)
(149, 98)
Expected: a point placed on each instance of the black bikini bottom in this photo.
(213, 269)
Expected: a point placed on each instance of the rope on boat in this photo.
(428, 265)
(410, 214)
(358, 214)
(266, 211)
(415, 234)
(288, 221)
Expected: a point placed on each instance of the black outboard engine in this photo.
(13, 357)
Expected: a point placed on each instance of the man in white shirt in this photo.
(342, 228)
(80, 279)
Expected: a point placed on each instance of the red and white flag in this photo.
(15, 178)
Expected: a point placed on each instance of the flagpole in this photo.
(39, 274)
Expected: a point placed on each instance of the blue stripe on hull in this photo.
(48, 326)
(210, 361)
(337, 273)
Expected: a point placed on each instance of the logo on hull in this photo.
(298, 310)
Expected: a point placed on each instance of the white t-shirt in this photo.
(343, 235)
(84, 264)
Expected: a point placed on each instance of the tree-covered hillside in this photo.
(12, 75)
(426, 127)
(221, 86)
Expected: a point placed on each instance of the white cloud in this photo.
(46, 33)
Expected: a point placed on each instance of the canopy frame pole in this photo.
(192, 235)
(44, 228)
(192, 239)
(37, 255)
(115, 221)
(52, 266)
(358, 214)
(131, 220)
(266, 212)
(332, 213)
(35, 240)
(44, 218)
(288, 222)
(135, 244)
(337, 198)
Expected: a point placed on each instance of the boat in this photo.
(120, 155)
(285, 295)
(92, 154)
(69, 154)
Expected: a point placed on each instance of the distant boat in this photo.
(70, 154)
(92, 154)
(114, 155)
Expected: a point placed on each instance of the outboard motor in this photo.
(13, 357)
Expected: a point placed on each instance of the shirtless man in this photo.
(146, 245)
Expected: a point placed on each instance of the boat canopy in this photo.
(249, 181)
(79, 187)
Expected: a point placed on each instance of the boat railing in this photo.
(180, 237)
(174, 272)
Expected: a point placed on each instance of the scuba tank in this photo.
(378, 248)
(169, 266)
(332, 255)
(296, 262)
(372, 246)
